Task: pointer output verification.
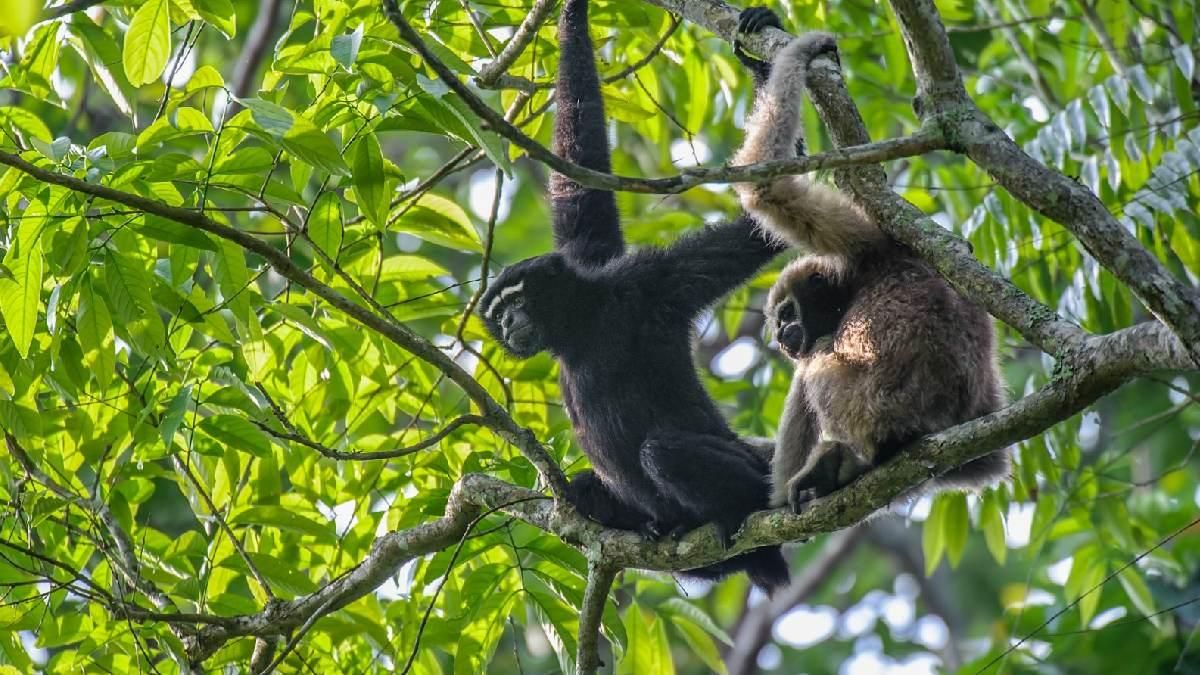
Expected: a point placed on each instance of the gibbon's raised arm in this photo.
(702, 266)
(812, 216)
(587, 227)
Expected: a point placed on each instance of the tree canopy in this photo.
(253, 423)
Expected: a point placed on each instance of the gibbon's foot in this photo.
(653, 530)
(725, 534)
(799, 498)
(753, 20)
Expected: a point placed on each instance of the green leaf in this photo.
(991, 520)
(440, 221)
(147, 43)
(299, 136)
(559, 622)
(957, 523)
(19, 16)
(95, 330)
(172, 232)
(678, 608)
(103, 55)
(237, 433)
(233, 278)
(468, 128)
(219, 14)
(933, 535)
(370, 185)
(21, 293)
(1139, 594)
(128, 286)
(174, 415)
(283, 575)
(345, 47)
(190, 120)
(648, 650)
(478, 639)
(24, 123)
(285, 519)
(325, 224)
(701, 644)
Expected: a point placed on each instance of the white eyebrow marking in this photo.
(504, 293)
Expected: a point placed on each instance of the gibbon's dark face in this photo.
(812, 309)
(519, 307)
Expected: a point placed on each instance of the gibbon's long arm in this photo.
(697, 270)
(587, 227)
(812, 216)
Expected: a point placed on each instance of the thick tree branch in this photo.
(599, 581)
(943, 100)
(1056, 196)
(943, 249)
(497, 418)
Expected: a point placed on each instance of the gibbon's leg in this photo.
(720, 480)
(798, 434)
(833, 465)
(595, 501)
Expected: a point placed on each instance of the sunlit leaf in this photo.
(147, 43)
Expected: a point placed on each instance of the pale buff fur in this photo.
(809, 215)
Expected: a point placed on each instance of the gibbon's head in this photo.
(526, 302)
(807, 303)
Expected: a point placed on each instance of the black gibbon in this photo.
(885, 350)
(620, 324)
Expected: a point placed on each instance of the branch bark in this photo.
(599, 582)
(517, 43)
(943, 101)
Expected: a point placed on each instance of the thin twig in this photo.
(427, 442)
(521, 38)
(185, 468)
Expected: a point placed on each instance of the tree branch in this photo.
(943, 101)
(1095, 370)
(517, 43)
(429, 441)
(599, 581)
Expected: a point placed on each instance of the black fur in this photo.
(620, 324)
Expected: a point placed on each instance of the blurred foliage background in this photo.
(154, 368)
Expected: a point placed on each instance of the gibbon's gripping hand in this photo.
(753, 20)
